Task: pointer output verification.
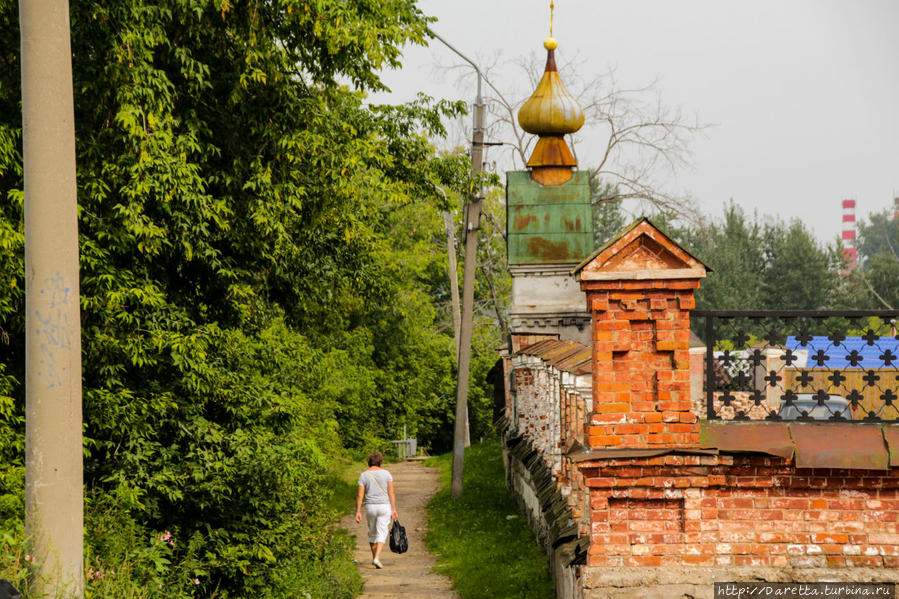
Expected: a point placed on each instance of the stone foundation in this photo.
(691, 582)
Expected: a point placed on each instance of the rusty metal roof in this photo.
(772, 438)
(825, 445)
(813, 444)
(569, 356)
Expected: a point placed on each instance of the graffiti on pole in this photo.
(53, 331)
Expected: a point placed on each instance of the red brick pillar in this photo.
(640, 292)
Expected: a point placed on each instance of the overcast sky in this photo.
(804, 94)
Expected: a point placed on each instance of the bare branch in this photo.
(858, 273)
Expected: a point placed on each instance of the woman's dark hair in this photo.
(375, 459)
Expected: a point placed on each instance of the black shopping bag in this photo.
(398, 541)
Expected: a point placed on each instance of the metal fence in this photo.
(836, 365)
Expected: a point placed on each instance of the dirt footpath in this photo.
(408, 575)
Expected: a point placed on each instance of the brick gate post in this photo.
(639, 290)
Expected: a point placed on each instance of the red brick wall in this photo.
(698, 511)
(641, 370)
(740, 511)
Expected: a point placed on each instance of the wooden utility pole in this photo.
(53, 446)
(454, 294)
(453, 277)
(472, 227)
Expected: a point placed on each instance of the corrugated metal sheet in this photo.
(568, 356)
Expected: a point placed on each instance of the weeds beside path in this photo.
(483, 541)
(409, 575)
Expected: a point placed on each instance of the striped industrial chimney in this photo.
(895, 208)
(850, 252)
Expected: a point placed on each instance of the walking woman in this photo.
(376, 486)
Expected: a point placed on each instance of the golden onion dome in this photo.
(551, 110)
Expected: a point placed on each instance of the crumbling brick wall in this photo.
(550, 409)
(744, 510)
(675, 522)
(665, 516)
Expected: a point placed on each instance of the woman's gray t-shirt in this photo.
(375, 492)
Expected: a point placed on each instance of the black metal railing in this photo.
(831, 365)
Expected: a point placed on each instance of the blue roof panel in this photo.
(852, 352)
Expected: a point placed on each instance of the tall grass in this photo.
(482, 541)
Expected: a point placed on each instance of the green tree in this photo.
(875, 281)
(492, 293)
(256, 250)
(800, 273)
(732, 247)
(608, 216)
(882, 273)
(762, 265)
(879, 234)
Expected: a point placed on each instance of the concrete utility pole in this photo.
(53, 446)
(472, 226)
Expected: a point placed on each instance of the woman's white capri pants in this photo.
(378, 516)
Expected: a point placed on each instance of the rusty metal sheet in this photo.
(534, 348)
(772, 438)
(522, 191)
(547, 218)
(564, 353)
(548, 224)
(585, 368)
(544, 348)
(891, 436)
(580, 362)
(839, 445)
(569, 361)
(569, 356)
(559, 352)
(548, 248)
(607, 454)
